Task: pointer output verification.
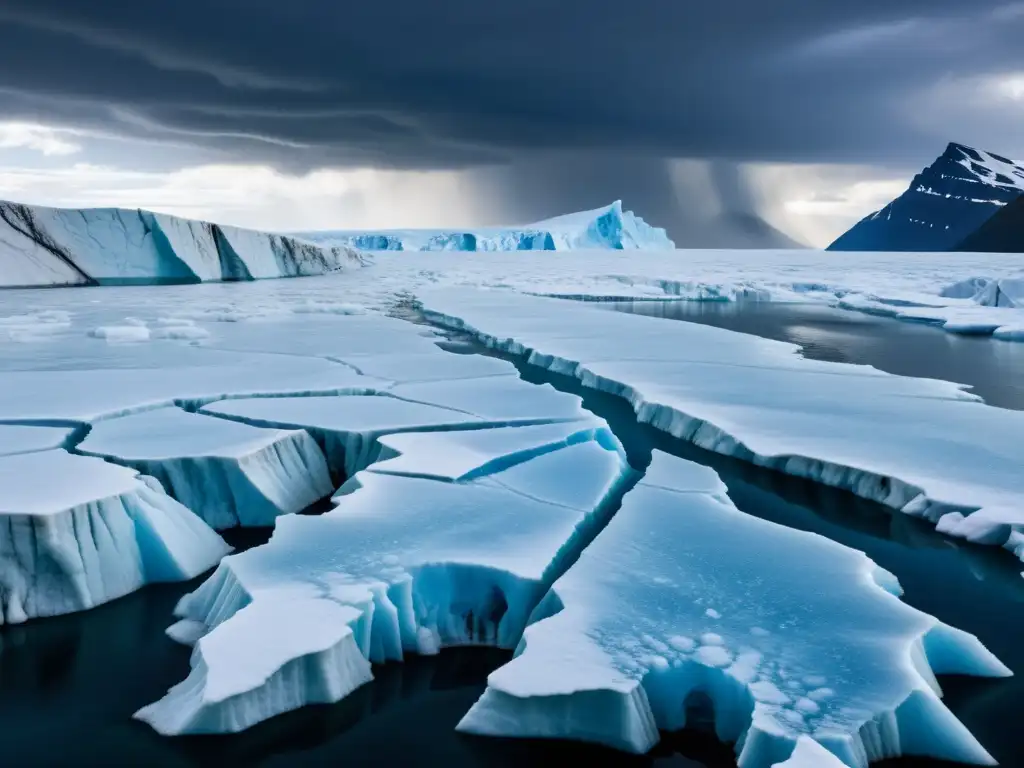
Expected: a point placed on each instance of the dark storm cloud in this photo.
(411, 83)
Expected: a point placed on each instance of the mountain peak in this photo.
(945, 203)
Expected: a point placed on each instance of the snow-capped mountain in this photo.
(943, 206)
(609, 227)
(114, 246)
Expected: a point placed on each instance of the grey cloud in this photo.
(463, 82)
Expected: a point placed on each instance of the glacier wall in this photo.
(610, 228)
(101, 532)
(42, 246)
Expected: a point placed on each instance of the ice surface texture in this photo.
(407, 564)
(944, 206)
(228, 473)
(108, 246)
(916, 445)
(684, 607)
(77, 532)
(608, 227)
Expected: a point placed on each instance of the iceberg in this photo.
(403, 564)
(609, 227)
(42, 246)
(685, 608)
(229, 474)
(76, 532)
(946, 207)
(923, 447)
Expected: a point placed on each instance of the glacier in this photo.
(923, 447)
(609, 227)
(98, 533)
(683, 607)
(42, 246)
(405, 564)
(230, 474)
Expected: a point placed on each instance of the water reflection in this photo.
(994, 369)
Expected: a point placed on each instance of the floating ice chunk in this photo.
(345, 427)
(76, 531)
(121, 334)
(1009, 332)
(579, 673)
(273, 657)
(15, 438)
(186, 631)
(466, 454)
(424, 564)
(228, 473)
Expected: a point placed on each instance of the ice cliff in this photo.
(945, 207)
(112, 246)
(606, 228)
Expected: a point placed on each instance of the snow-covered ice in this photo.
(409, 564)
(16, 438)
(623, 644)
(609, 227)
(77, 531)
(921, 446)
(345, 427)
(317, 660)
(226, 472)
(463, 455)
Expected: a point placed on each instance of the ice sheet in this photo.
(26, 439)
(920, 446)
(419, 564)
(76, 531)
(226, 472)
(345, 427)
(684, 607)
(463, 455)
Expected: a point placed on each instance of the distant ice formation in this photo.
(606, 228)
(112, 246)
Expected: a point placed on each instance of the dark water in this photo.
(69, 685)
(994, 369)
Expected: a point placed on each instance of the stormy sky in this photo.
(320, 113)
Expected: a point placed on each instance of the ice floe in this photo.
(624, 644)
(226, 472)
(76, 531)
(408, 564)
(916, 445)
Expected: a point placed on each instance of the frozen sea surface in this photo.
(239, 349)
(921, 446)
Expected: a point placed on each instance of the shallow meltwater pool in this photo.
(994, 369)
(69, 685)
